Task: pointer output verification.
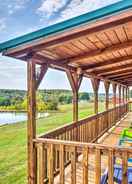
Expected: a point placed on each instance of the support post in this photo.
(95, 83)
(123, 94)
(31, 125)
(126, 94)
(33, 82)
(120, 100)
(75, 80)
(114, 85)
(106, 85)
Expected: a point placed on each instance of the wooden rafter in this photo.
(127, 76)
(121, 73)
(114, 69)
(96, 66)
(100, 52)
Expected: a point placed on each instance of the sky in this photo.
(18, 17)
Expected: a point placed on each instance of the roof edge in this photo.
(70, 23)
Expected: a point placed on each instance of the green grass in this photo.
(13, 141)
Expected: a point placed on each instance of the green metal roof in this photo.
(71, 23)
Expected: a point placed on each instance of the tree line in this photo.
(46, 99)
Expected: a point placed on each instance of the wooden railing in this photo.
(88, 129)
(58, 148)
(103, 156)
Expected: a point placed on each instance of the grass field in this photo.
(13, 141)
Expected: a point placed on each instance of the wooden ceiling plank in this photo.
(121, 34)
(95, 40)
(112, 36)
(59, 39)
(104, 39)
(106, 63)
(128, 29)
(100, 52)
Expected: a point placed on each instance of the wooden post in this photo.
(114, 85)
(123, 94)
(126, 94)
(75, 80)
(95, 84)
(33, 83)
(31, 125)
(120, 100)
(106, 85)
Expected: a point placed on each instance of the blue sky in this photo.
(18, 17)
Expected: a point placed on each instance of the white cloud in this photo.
(2, 24)
(14, 5)
(48, 8)
(74, 8)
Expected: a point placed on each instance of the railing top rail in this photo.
(71, 125)
(83, 145)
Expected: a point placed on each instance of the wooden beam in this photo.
(113, 69)
(106, 63)
(95, 84)
(59, 39)
(111, 77)
(41, 74)
(75, 82)
(31, 124)
(40, 60)
(125, 69)
(128, 76)
(100, 52)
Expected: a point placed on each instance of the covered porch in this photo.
(96, 45)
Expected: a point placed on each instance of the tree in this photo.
(84, 96)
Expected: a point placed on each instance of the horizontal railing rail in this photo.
(103, 155)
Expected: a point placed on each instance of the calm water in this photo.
(13, 117)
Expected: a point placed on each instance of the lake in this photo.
(13, 117)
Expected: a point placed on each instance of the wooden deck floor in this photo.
(110, 138)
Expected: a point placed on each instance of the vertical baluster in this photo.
(50, 164)
(124, 167)
(42, 164)
(110, 167)
(62, 171)
(97, 166)
(73, 165)
(85, 166)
